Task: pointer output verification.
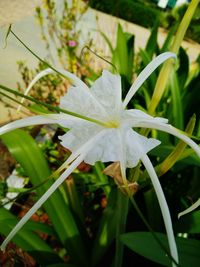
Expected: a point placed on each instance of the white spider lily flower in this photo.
(106, 134)
(13, 181)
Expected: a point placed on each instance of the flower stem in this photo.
(50, 107)
(151, 230)
(33, 53)
(165, 72)
(122, 213)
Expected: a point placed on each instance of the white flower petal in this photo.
(12, 181)
(156, 62)
(35, 120)
(79, 133)
(163, 206)
(137, 146)
(87, 146)
(37, 77)
(171, 130)
(190, 209)
(83, 148)
(75, 80)
(5, 202)
(79, 99)
(106, 149)
(135, 116)
(15, 181)
(107, 89)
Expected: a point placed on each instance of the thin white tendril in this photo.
(163, 206)
(147, 71)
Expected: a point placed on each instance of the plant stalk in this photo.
(165, 72)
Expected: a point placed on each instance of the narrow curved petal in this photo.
(163, 206)
(171, 130)
(30, 121)
(147, 71)
(75, 80)
(190, 209)
(72, 77)
(37, 78)
(39, 203)
(134, 116)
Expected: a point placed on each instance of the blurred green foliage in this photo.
(133, 11)
(145, 13)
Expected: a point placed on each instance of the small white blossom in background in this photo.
(15, 182)
(14, 10)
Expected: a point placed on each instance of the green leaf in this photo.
(144, 244)
(34, 226)
(27, 240)
(38, 109)
(123, 54)
(25, 150)
(113, 217)
(152, 46)
(151, 203)
(101, 178)
(167, 43)
(177, 109)
(192, 159)
(191, 98)
(107, 41)
(162, 151)
(189, 223)
(183, 70)
(146, 59)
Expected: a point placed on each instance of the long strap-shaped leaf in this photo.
(26, 152)
(27, 239)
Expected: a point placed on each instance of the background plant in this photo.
(60, 31)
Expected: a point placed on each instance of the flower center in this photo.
(113, 124)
